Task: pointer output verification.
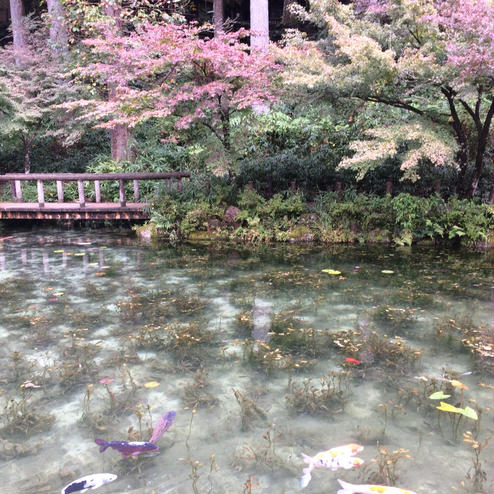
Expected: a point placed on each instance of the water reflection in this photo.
(262, 355)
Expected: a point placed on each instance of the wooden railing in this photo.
(92, 209)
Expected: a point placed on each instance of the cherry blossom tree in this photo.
(429, 63)
(173, 71)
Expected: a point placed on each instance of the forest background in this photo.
(333, 121)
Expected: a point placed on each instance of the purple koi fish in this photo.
(163, 425)
(132, 448)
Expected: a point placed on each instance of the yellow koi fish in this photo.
(370, 489)
(334, 458)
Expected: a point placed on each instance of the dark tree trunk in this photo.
(218, 18)
(482, 137)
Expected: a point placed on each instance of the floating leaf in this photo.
(331, 271)
(470, 413)
(151, 384)
(58, 251)
(387, 271)
(438, 395)
(79, 254)
(446, 407)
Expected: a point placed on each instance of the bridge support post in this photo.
(41, 193)
(80, 188)
(59, 191)
(122, 193)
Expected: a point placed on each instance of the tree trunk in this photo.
(218, 18)
(259, 25)
(26, 142)
(19, 31)
(59, 38)
(119, 135)
(259, 36)
(482, 138)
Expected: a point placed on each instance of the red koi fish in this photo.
(352, 360)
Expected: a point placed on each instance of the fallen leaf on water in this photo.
(439, 395)
(387, 271)
(99, 273)
(470, 413)
(151, 384)
(446, 407)
(331, 271)
(58, 251)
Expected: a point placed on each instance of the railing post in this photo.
(59, 191)
(97, 190)
(179, 185)
(41, 194)
(80, 188)
(18, 191)
(136, 190)
(122, 193)
(12, 189)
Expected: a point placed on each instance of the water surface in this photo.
(249, 346)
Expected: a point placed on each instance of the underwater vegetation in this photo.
(373, 349)
(21, 415)
(264, 357)
(383, 468)
(327, 398)
(250, 412)
(197, 394)
(462, 333)
(393, 319)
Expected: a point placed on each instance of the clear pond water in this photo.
(262, 355)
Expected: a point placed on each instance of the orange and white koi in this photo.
(348, 488)
(334, 458)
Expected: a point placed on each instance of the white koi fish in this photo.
(334, 458)
(370, 489)
(89, 482)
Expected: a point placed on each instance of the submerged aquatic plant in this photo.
(383, 468)
(476, 474)
(195, 394)
(20, 416)
(263, 455)
(329, 397)
(393, 318)
(249, 410)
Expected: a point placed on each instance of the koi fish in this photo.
(352, 360)
(89, 482)
(370, 489)
(164, 423)
(132, 448)
(334, 458)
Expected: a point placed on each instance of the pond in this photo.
(265, 353)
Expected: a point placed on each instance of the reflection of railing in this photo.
(91, 257)
(82, 209)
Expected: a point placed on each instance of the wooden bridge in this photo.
(83, 208)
